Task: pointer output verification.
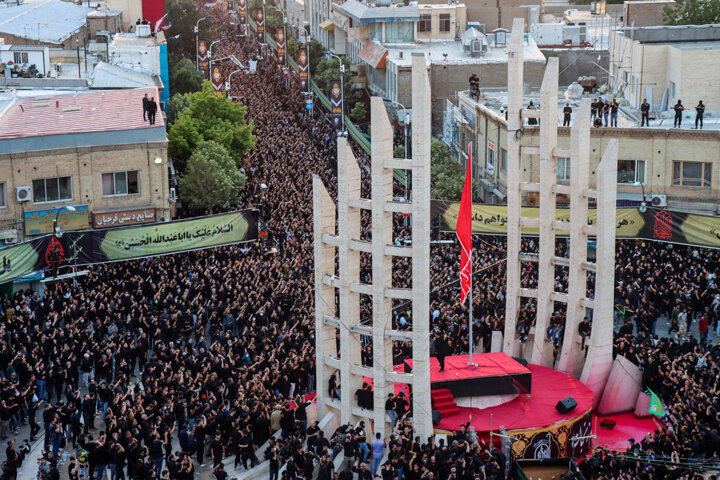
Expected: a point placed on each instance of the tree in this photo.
(178, 104)
(447, 174)
(210, 117)
(183, 16)
(693, 12)
(315, 56)
(328, 71)
(184, 78)
(358, 113)
(212, 180)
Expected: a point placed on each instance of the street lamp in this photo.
(342, 88)
(56, 230)
(227, 83)
(643, 205)
(211, 45)
(406, 126)
(197, 24)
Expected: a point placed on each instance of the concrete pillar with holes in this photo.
(514, 198)
(349, 245)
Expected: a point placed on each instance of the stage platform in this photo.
(495, 374)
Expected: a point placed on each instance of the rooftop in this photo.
(369, 13)
(130, 39)
(673, 34)
(496, 100)
(106, 75)
(48, 21)
(64, 113)
(453, 53)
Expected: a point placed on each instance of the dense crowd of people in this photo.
(161, 368)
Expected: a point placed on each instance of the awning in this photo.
(374, 54)
(327, 25)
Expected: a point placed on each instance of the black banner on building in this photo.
(50, 253)
(303, 67)
(217, 79)
(336, 102)
(261, 25)
(230, 5)
(242, 14)
(202, 56)
(280, 38)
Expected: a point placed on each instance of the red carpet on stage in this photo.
(488, 365)
(548, 386)
(628, 426)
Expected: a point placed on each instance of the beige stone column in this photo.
(382, 192)
(571, 356)
(422, 111)
(599, 359)
(514, 126)
(323, 224)
(542, 350)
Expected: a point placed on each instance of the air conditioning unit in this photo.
(23, 194)
(658, 200)
(11, 240)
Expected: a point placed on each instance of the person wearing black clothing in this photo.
(645, 113)
(699, 113)
(532, 120)
(567, 112)
(441, 350)
(678, 114)
(614, 113)
(88, 410)
(151, 110)
(584, 330)
(217, 450)
(272, 455)
(145, 101)
(199, 435)
(220, 473)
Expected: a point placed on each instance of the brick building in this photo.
(89, 150)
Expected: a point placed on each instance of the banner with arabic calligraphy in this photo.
(100, 246)
(125, 217)
(654, 224)
(556, 441)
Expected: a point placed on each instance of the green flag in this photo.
(656, 406)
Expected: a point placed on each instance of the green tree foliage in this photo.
(212, 180)
(184, 78)
(399, 152)
(358, 112)
(210, 117)
(447, 174)
(329, 70)
(316, 50)
(292, 47)
(273, 15)
(178, 104)
(693, 12)
(183, 16)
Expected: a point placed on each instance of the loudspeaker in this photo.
(566, 405)
(521, 361)
(607, 424)
(436, 416)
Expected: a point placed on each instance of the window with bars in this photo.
(425, 23)
(120, 183)
(52, 189)
(20, 57)
(692, 174)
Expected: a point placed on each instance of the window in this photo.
(562, 171)
(503, 160)
(425, 23)
(399, 32)
(20, 57)
(490, 159)
(52, 189)
(692, 174)
(375, 32)
(3, 197)
(672, 90)
(444, 22)
(120, 183)
(631, 171)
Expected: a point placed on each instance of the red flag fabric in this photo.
(464, 231)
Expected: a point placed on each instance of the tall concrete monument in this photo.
(594, 370)
(342, 279)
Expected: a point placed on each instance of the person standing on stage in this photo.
(441, 350)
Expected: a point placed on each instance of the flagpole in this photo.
(470, 312)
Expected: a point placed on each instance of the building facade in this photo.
(680, 168)
(91, 151)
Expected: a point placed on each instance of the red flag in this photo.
(464, 231)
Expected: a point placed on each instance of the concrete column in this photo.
(349, 270)
(599, 359)
(571, 356)
(422, 111)
(514, 125)
(323, 223)
(542, 351)
(382, 191)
